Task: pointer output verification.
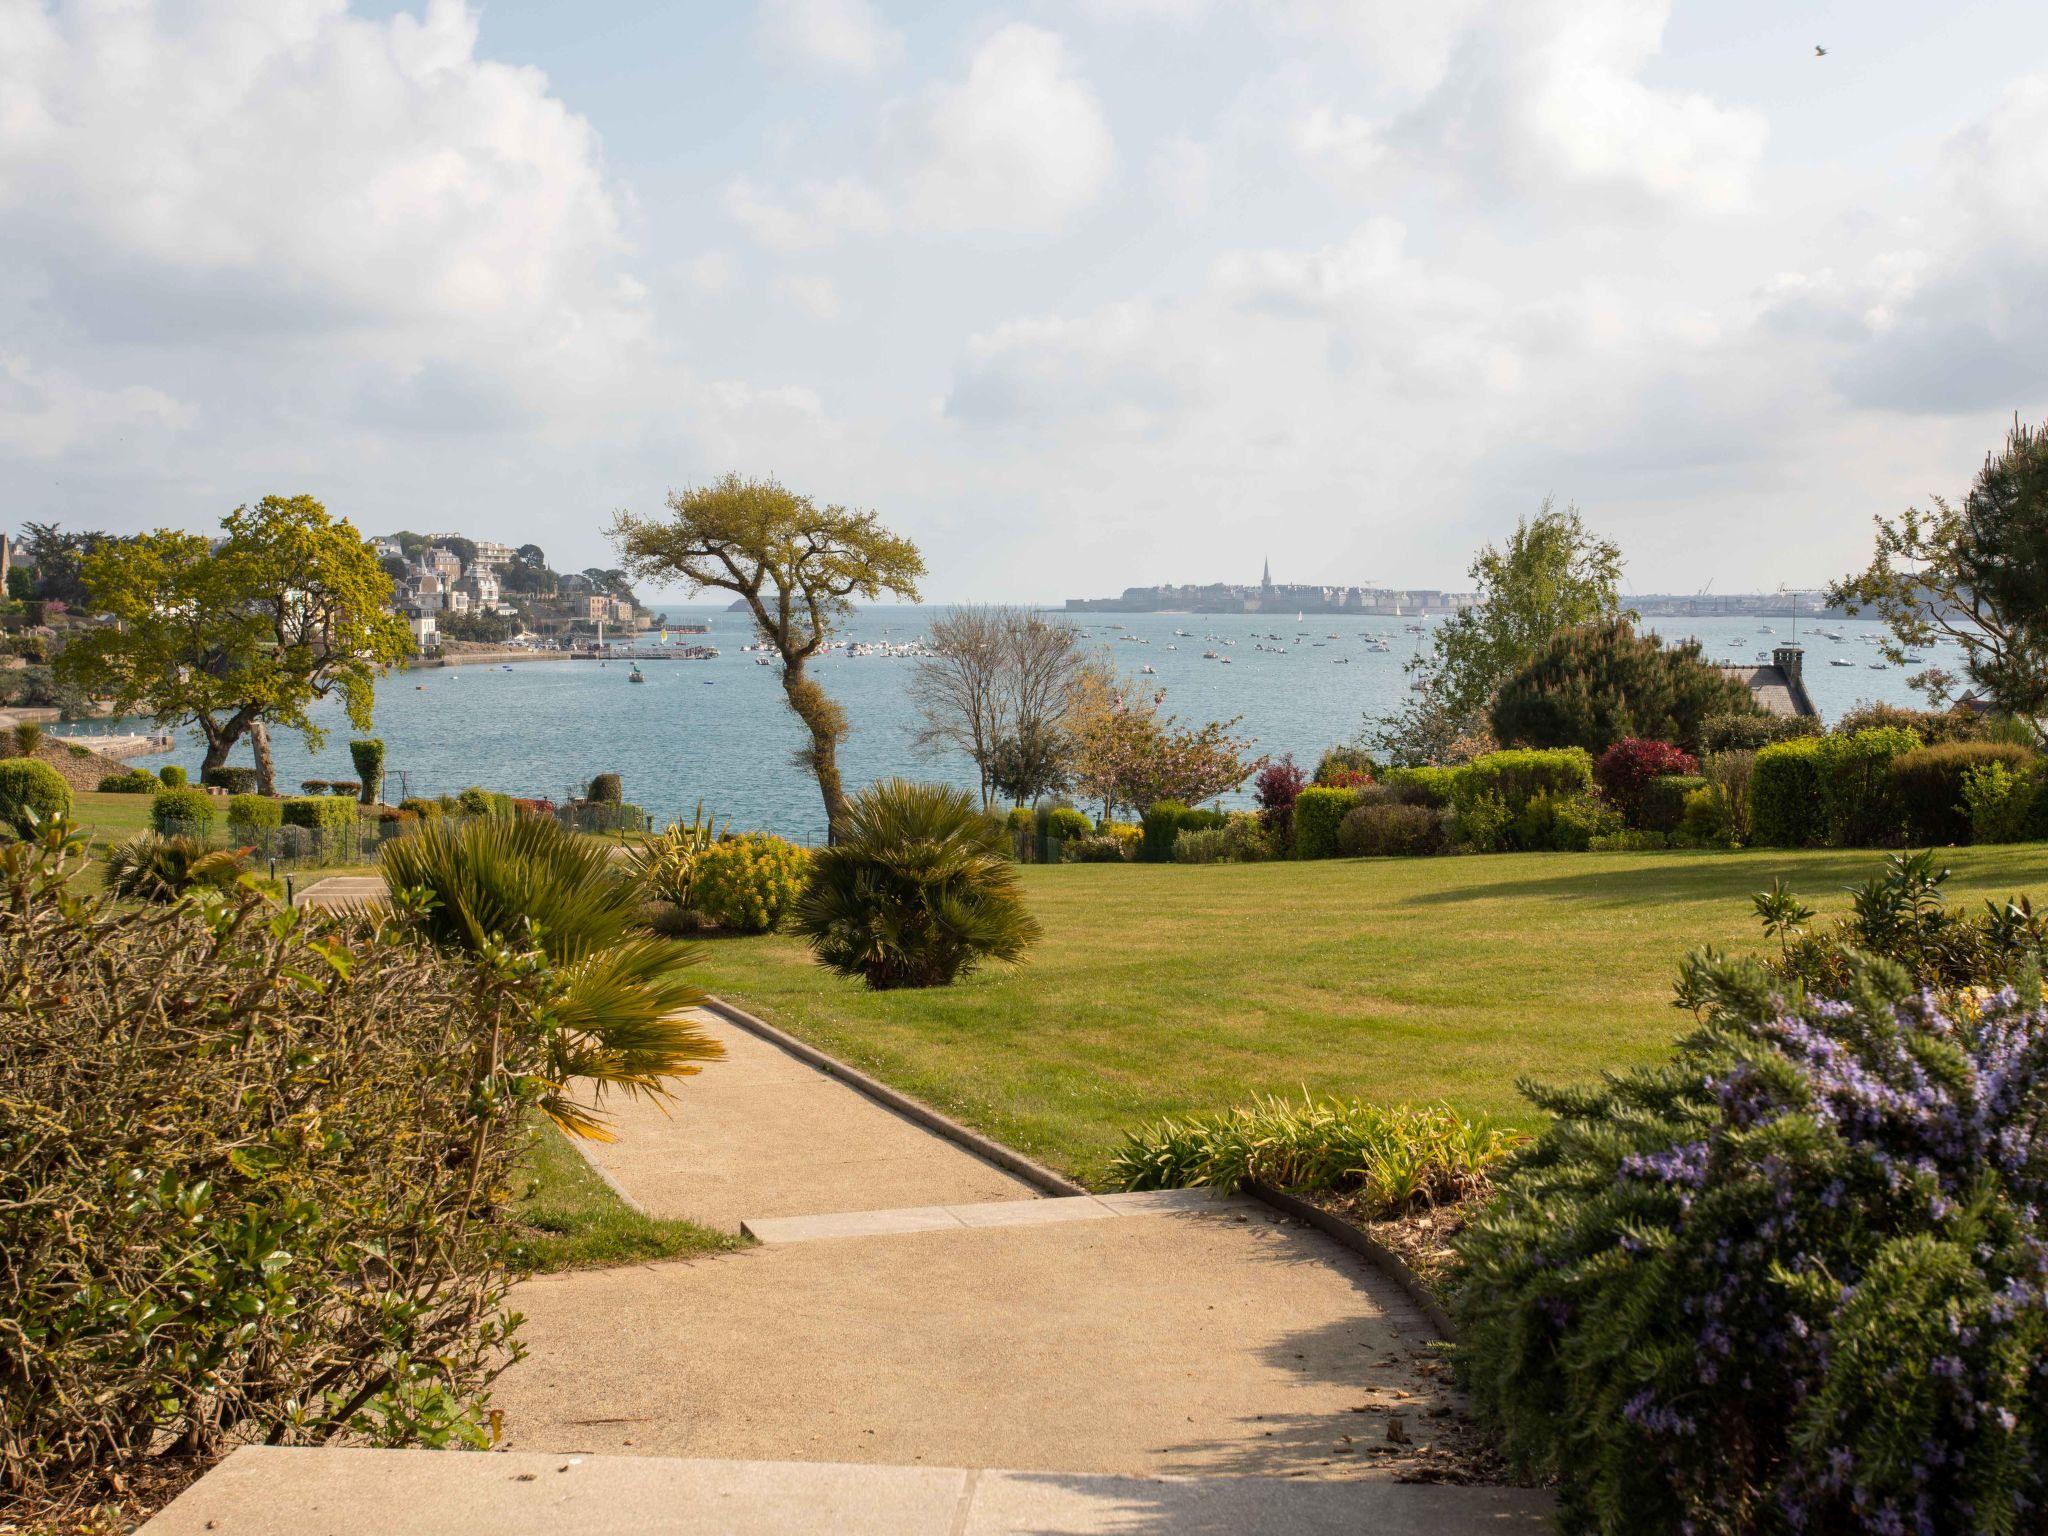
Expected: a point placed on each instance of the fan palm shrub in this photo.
(150, 867)
(918, 889)
(515, 893)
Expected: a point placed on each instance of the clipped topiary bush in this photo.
(1165, 820)
(747, 883)
(917, 891)
(1791, 1280)
(1785, 808)
(606, 789)
(330, 819)
(424, 809)
(130, 781)
(1067, 824)
(1928, 786)
(1318, 814)
(252, 818)
(236, 781)
(32, 794)
(172, 775)
(182, 813)
(1419, 786)
(367, 753)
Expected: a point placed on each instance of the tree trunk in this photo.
(266, 766)
(826, 723)
(221, 740)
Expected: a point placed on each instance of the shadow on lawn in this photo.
(1698, 877)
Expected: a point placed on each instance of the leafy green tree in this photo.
(291, 608)
(1599, 683)
(57, 558)
(797, 566)
(1551, 574)
(1975, 574)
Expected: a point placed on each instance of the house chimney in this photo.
(1788, 660)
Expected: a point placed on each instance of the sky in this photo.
(1078, 294)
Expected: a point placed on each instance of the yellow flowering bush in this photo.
(747, 882)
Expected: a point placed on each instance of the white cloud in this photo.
(815, 295)
(808, 217)
(829, 34)
(1019, 145)
(1121, 371)
(44, 413)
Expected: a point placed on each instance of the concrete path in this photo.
(761, 1134)
(341, 891)
(1166, 1363)
(266, 1492)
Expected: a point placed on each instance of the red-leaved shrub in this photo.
(1625, 769)
(1274, 791)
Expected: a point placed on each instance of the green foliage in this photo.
(1099, 848)
(1856, 789)
(1551, 575)
(367, 753)
(1517, 776)
(32, 794)
(1752, 732)
(1166, 820)
(1484, 824)
(917, 891)
(666, 864)
(1595, 684)
(1787, 1281)
(291, 608)
(1708, 818)
(252, 817)
(1902, 916)
(1935, 727)
(1344, 768)
(1663, 801)
(184, 812)
(1973, 574)
(130, 781)
(148, 867)
(1242, 839)
(1730, 773)
(1386, 829)
(424, 809)
(519, 896)
(478, 801)
(1318, 816)
(331, 820)
(172, 776)
(236, 781)
(1997, 799)
(1785, 809)
(749, 883)
(606, 789)
(1928, 786)
(1067, 824)
(1421, 786)
(1629, 840)
(27, 736)
(254, 1171)
(1396, 1157)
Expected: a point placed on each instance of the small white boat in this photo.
(1147, 670)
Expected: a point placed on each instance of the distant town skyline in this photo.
(1114, 287)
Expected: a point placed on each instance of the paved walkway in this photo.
(1163, 1363)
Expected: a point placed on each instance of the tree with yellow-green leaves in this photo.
(291, 607)
(797, 566)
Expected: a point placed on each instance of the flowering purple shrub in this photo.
(1274, 791)
(1795, 1280)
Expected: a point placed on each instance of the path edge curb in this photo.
(1365, 1245)
(1033, 1173)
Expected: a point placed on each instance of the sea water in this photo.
(718, 730)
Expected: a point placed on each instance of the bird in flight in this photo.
(1819, 52)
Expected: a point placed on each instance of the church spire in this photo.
(1266, 576)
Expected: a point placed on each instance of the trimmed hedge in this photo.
(251, 816)
(236, 781)
(131, 781)
(187, 812)
(1927, 784)
(1318, 817)
(26, 785)
(1391, 829)
(172, 775)
(1856, 786)
(1520, 774)
(1660, 806)
(1784, 794)
(1165, 820)
(330, 819)
(1421, 786)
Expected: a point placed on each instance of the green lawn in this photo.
(1162, 989)
(570, 1219)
